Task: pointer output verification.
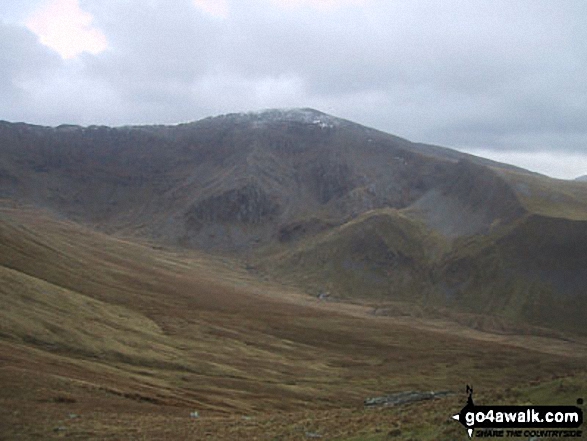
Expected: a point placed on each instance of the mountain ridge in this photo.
(269, 186)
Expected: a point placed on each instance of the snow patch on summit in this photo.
(304, 116)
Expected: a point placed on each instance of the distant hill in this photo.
(582, 178)
(324, 203)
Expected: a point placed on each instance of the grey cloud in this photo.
(497, 74)
(23, 60)
(167, 43)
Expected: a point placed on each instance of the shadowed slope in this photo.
(229, 183)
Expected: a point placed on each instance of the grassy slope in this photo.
(532, 271)
(380, 254)
(550, 197)
(133, 338)
(529, 271)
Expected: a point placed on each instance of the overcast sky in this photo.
(502, 79)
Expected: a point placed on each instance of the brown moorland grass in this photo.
(105, 338)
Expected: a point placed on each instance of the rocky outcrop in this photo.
(249, 204)
(402, 398)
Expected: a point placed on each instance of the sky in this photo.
(501, 79)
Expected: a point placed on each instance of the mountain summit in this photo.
(296, 115)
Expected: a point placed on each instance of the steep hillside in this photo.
(549, 197)
(535, 273)
(381, 255)
(469, 199)
(518, 275)
(227, 183)
(322, 203)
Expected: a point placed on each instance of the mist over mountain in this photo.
(324, 203)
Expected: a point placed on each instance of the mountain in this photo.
(581, 178)
(324, 203)
(231, 182)
(259, 275)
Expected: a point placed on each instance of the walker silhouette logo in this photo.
(518, 421)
